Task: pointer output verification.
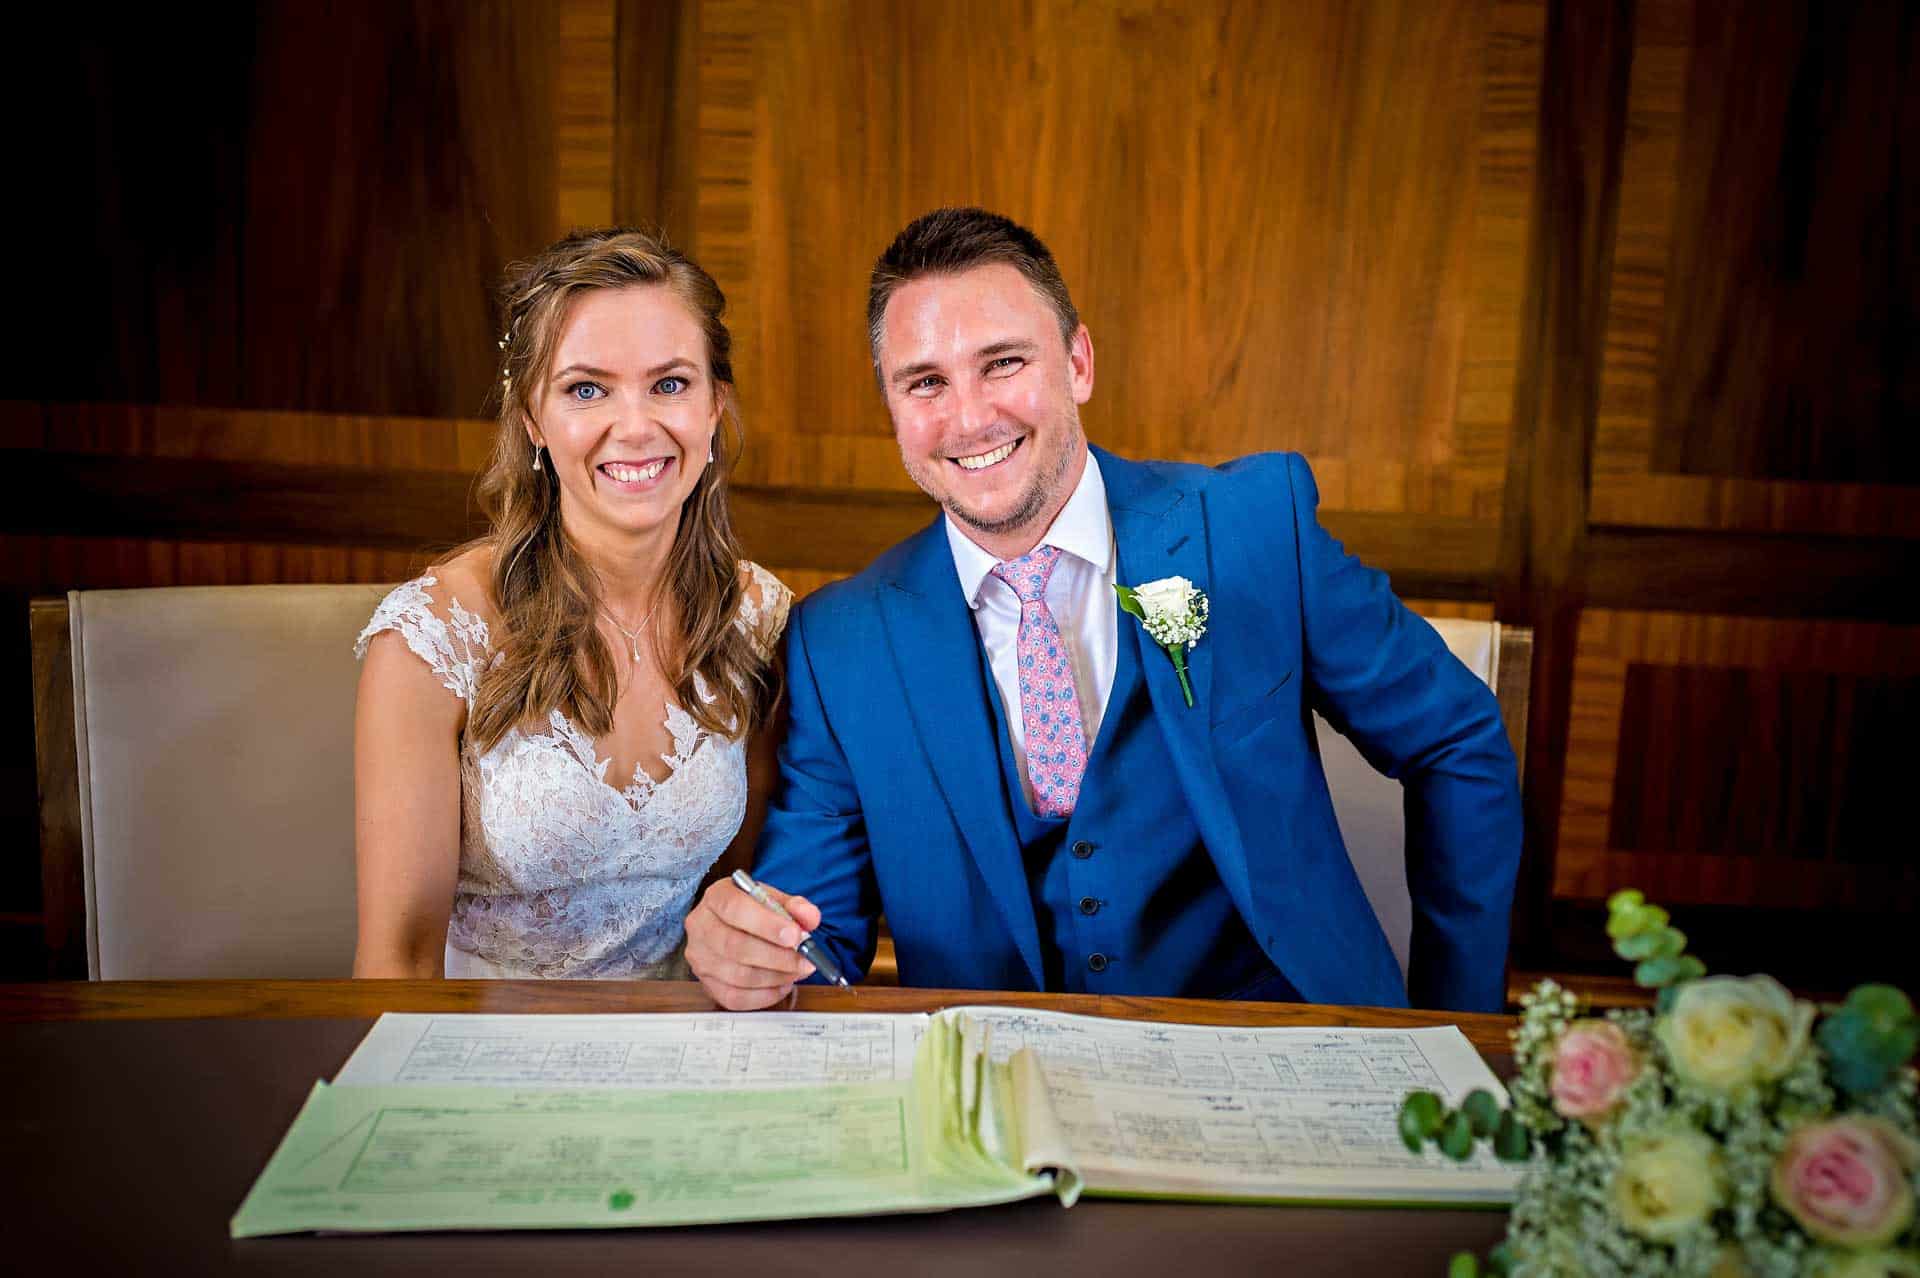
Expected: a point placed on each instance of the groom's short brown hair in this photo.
(947, 241)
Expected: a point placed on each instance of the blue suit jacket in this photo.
(890, 792)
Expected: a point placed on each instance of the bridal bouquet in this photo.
(1731, 1131)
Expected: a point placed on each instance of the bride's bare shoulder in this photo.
(466, 578)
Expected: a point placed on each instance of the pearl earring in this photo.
(536, 456)
(709, 452)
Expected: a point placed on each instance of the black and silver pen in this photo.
(810, 950)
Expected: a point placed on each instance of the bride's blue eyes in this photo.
(592, 392)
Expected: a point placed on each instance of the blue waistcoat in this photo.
(1125, 897)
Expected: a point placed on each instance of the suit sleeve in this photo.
(1386, 680)
(814, 842)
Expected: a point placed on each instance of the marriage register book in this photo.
(530, 1122)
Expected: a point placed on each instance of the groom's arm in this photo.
(815, 838)
(1386, 680)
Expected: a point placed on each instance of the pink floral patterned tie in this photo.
(1049, 698)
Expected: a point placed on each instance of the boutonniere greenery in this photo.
(1174, 612)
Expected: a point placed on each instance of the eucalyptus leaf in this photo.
(1868, 1037)
(1635, 919)
(1512, 1142)
(1887, 1007)
(1420, 1117)
(1665, 942)
(1456, 1136)
(1482, 1110)
(1413, 1133)
(1658, 972)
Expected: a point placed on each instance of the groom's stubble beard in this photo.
(1042, 495)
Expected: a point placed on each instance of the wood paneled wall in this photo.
(1630, 359)
(1286, 225)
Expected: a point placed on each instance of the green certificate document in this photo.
(402, 1157)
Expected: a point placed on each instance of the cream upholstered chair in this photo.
(1368, 805)
(214, 731)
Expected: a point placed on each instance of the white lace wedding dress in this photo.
(562, 874)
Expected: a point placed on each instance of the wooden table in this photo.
(134, 1115)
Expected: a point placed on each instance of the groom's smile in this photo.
(992, 457)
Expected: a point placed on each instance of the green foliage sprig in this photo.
(1869, 1037)
(1643, 936)
(1425, 1118)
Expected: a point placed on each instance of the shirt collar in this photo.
(1083, 529)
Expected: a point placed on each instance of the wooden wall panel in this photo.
(1790, 351)
(656, 116)
(191, 432)
(1763, 763)
(1543, 530)
(1288, 226)
(585, 111)
(1723, 760)
(300, 207)
(55, 564)
(1761, 370)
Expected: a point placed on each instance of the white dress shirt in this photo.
(1079, 594)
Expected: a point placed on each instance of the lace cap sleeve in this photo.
(455, 647)
(763, 606)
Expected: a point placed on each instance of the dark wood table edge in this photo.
(350, 999)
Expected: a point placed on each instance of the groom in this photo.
(987, 750)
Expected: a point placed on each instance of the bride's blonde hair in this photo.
(552, 655)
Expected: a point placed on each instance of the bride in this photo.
(565, 729)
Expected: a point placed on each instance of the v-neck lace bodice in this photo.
(564, 871)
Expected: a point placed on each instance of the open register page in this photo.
(500, 1122)
(1279, 1115)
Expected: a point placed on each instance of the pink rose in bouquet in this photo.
(1845, 1180)
(1593, 1064)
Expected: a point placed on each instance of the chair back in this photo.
(213, 728)
(1368, 805)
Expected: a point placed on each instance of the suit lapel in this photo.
(1161, 531)
(936, 652)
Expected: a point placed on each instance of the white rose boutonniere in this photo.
(1174, 612)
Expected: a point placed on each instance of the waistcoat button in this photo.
(1097, 962)
(1088, 905)
(1082, 849)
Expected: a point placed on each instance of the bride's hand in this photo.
(742, 951)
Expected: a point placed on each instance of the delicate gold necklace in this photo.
(633, 635)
